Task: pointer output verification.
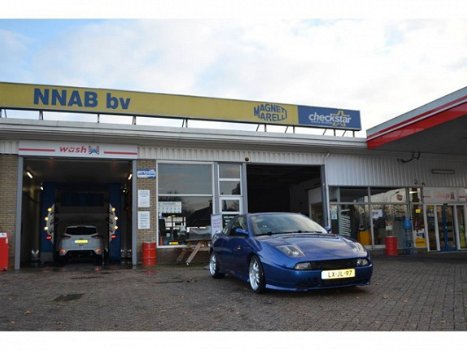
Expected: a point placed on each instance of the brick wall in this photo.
(8, 186)
(149, 235)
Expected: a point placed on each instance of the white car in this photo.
(81, 240)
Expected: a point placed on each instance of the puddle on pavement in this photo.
(69, 297)
(168, 281)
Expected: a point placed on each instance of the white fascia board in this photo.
(149, 135)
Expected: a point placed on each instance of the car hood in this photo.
(318, 246)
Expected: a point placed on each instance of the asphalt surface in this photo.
(408, 293)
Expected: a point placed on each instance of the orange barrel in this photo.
(149, 253)
(391, 245)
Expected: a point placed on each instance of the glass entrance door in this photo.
(461, 213)
(432, 227)
(446, 227)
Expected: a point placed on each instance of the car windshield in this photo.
(80, 230)
(280, 223)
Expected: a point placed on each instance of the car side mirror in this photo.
(328, 229)
(241, 232)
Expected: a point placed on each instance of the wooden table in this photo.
(195, 246)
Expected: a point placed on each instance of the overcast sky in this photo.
(380, 65)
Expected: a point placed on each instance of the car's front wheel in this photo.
(256, 275)
(214, 266)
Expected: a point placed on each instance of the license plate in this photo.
(81, 241)
(336, 274)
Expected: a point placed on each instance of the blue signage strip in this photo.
(329, 118)
(146, 174)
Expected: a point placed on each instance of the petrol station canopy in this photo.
(439, 127)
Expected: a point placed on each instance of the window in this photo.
(352, 221)
(279, 223)
(229, 179)
(230, 205)
(81, 230)
(230, 189)
(370, 214)
(184, 202)
(349, 194)
(239, 222)
(388, 195)
(227, 187)
(418, 225)
(185, 179)
(388, 220)
(415, 195)
(229, 171)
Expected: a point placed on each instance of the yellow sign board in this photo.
(103, 101)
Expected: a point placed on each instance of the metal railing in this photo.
(194, 123)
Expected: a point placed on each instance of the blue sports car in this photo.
(287, 251)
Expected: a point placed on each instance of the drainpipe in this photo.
(325, 192)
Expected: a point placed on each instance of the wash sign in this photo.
(77, 150)
(131, 103)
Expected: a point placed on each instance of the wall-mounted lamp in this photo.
(443, 171)
(414, 156)
(28, 173)
(130, 176)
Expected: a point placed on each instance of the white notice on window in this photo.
(144, 198)
(216, 223)
(144, 220)
(169, 207)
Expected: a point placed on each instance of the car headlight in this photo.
(291, 250)
(363, 262)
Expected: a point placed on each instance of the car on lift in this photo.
(287, 251)
(81, 241)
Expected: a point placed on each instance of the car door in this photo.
(219, 245)
(237, 246)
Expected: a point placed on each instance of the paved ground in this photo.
(416, 293)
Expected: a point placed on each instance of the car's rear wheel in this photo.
(256, 275)
(214, 266)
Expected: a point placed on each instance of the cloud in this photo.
(14, 46)
(381, 67)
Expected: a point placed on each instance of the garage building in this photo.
(72, 155)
